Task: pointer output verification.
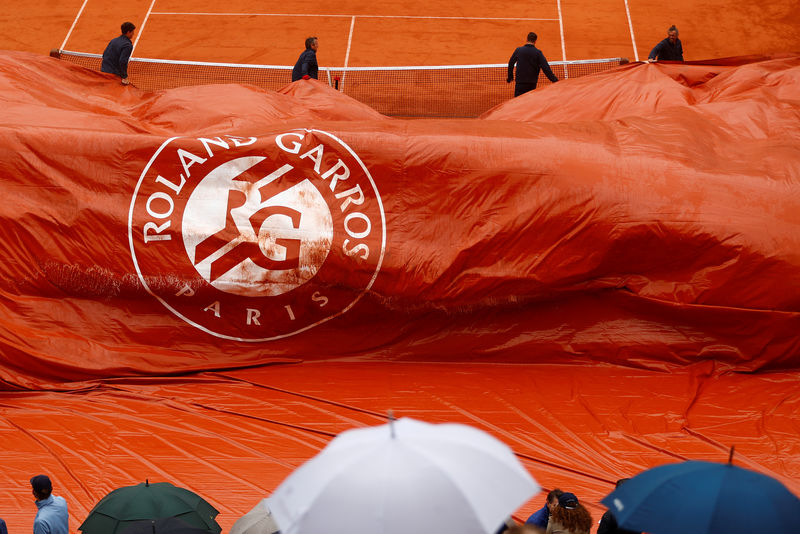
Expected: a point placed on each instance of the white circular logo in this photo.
(256, 239)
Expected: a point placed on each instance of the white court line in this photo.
(561, 27)
(633, 39)
(144, 23)
(336, 15)
(74, 22)
(347, 54)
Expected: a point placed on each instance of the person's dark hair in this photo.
(532, 37)
(309, 42)
(576, 519)
(554, 494)
(524, 529)
(41, 486)
(674, 28)
(127, 27)
(508, 526)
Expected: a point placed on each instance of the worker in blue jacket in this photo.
(529, 61)
(118, 53)
(670, 49)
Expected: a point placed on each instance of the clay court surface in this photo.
(416, 32)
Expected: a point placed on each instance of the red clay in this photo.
(398, 34)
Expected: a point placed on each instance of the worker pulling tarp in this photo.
(648, 216)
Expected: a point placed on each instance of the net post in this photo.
(55, 52)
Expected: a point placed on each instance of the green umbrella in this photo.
(127, 505)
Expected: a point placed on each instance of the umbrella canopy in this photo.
(148, 501)
(407, 476)
(704, 498)
(169, 525)
(259, 520)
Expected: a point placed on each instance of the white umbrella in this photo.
(259, 520)
(402, 478)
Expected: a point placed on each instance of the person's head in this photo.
(571, 514)
(127, 28)
(524, 529)
(552, 498)
(568, 501)
(672, 34)
(41, 486)
(507, 526)
(312, 43)
(532, 37)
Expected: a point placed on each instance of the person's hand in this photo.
(509, 80)
(125, 81)
(306, 77)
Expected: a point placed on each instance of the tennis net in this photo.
(440, 91)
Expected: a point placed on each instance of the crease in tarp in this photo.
(602, 273)
(227, 437)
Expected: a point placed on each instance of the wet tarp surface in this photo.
(205, 285)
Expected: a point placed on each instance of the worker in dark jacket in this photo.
(529, 60)
(306, 66)
(608, 523)
(670, 49)
(118, 52)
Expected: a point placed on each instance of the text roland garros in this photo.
(257, 238)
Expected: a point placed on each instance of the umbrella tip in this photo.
(390, 415)
(730, 455)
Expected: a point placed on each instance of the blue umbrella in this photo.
(704, 498)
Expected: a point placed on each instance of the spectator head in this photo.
(524, 529)
(507, 526)
(571, 514)
(532, 37)
(672, 34)
(568, 501)
(127, 27)
(311, 43)
(552, 498)
(41, 486)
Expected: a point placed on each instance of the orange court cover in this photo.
(315, 263)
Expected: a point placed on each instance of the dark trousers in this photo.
(522, 88)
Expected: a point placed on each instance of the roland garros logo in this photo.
(255, 239)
